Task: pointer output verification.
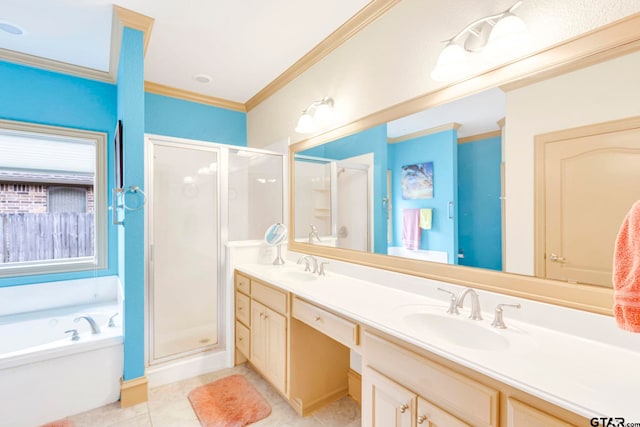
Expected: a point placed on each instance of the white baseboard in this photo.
(192, 366)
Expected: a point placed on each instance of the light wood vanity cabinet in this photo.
(307, 367)
(397, 376)
(268, 344)
(395, 406)
(303, 349)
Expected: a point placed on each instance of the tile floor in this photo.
(168, 406)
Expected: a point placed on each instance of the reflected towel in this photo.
(626, 272)
(425, 218)
(411, 229)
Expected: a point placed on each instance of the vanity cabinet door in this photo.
(522, 415)
(268, 344)
(385, 403)
(429, 415)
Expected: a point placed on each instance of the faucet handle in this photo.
(498, 320)
(453, 309)
(74, 334)
(321, 271)
(112, 324)
(304, 258)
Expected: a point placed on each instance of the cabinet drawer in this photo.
(243, 284)
(269, 296)
(243, 308)
(242, 339)
(457, 394)
(336, 327)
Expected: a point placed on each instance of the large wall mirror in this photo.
(532, 178)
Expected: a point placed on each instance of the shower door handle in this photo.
(450, 210)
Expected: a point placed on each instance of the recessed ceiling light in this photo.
(202, 78)
(10, 28)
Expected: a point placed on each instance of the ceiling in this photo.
(242, 45)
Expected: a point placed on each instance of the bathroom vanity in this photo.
(297, 328)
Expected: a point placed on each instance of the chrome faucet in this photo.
(95, 329)
(313, 234)
(475, 303)
(307, 259)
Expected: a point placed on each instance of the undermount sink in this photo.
(459, 331)
(294, 275)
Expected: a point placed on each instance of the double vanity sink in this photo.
(568, 370)
(428, 321)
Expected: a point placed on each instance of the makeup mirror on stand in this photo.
(274, 236)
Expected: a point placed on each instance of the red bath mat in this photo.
(229, 402)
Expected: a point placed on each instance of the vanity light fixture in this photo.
(315, 114)
(493, 33)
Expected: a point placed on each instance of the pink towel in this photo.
(626, 272)
(411, 228)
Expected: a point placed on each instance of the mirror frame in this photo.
(610, 41)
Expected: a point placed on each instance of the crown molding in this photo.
(121, 18)
(186, 95)
(137, 21)
(53, 65)
(359, 21)
(424, 132)
(480, 136)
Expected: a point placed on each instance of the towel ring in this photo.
(134, 189)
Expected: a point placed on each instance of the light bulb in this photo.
(323, 111)
(452, 64)
(306, 124)
(509, 32)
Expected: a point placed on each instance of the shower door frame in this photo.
(224, 303)
(222, 190)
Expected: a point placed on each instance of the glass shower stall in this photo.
(201, 195)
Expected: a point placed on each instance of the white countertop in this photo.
(585, 376)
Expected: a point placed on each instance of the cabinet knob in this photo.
(403, 408)
(240, 308)
(317, 318)
(422, 419)
(239, 339)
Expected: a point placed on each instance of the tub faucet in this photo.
(475, 303)
(95, 329)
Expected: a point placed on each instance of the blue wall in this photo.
(44, 97)
(131, 112)
(184, 119)
(480, 229)
(439, 148)
(374, 141)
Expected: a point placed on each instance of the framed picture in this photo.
(118, 163)
(417, 181)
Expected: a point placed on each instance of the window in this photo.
(52, 199)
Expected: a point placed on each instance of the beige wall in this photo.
(390, 60)
(599, 93)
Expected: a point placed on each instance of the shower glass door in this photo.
(184, 249)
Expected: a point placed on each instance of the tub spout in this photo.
(95, 329)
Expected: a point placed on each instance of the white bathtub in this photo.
(45, 376)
